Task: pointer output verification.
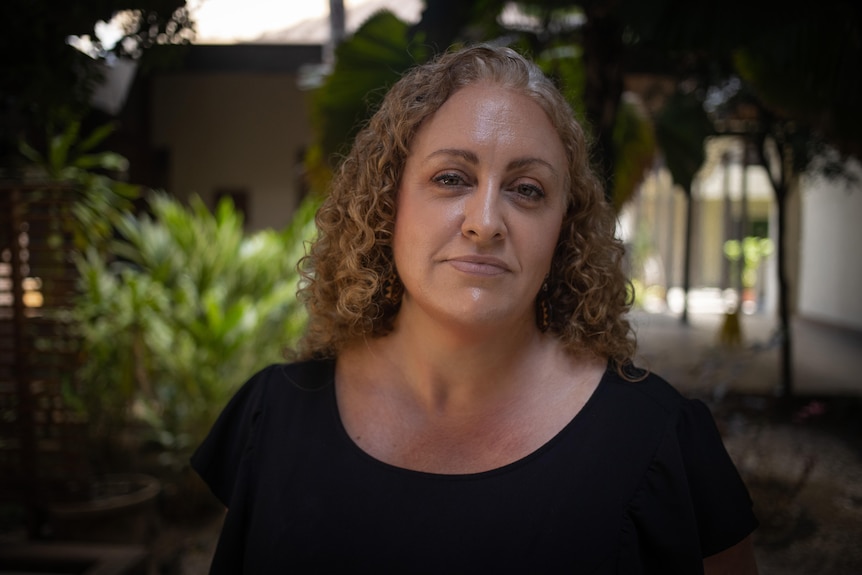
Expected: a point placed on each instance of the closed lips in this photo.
(479, 264)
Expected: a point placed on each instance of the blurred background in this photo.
(161, 162)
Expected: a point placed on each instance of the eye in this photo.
(449, 179)
(529, 191)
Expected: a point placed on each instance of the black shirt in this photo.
(638, 482)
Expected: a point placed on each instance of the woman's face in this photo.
(480, 205)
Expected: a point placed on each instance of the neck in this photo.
(452, 367)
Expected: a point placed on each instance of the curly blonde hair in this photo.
(349, 267)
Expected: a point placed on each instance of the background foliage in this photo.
(46, 83)
(188, 308)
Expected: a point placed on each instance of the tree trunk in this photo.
(786, 366)
(781, 188)
(686, 257)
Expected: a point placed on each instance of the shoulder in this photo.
(309, 375)
(651, 396)
(655, 402)
(277, 390)
(651, 412)
(686, 466)
(272, 396)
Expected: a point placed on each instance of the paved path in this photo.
(827, 360)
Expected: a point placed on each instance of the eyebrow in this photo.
(472, 158)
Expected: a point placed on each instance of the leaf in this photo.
(59, 148)
(30, 153)
(97, 136)
(682, 126)
(366, 65)
(635, 143)
(104, 160)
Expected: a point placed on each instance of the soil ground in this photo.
(802, 462)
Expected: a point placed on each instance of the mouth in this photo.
(479, 265)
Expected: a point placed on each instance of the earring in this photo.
(543, 308)
(392, 288)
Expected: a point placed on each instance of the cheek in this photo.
(544, 256)
(421, 223)
(546, 240)
(409, 236)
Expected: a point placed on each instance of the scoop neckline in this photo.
(537, 453)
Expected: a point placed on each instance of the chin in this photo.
(485, 317)
(474, 309)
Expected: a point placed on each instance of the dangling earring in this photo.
(392, 288)
(543, 308)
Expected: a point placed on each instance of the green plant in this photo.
(188, 310)
(752, 250)
(366, 64)
(76, 197)
(112, 315)
(72, 158)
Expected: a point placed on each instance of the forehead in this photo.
(488, 113)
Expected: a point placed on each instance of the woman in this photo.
(465, 400)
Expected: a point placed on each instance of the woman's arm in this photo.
(736, 560)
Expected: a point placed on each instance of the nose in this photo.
(483, 214)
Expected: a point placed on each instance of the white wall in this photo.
(233, 131)
(830, 282)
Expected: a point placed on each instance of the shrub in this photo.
(187, 308)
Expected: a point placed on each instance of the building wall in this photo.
(822, 237)
(830, 262)
(653, 226)
(229, 132)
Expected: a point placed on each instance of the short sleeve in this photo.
(721, 502)
(692, 502)
(218, 460)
